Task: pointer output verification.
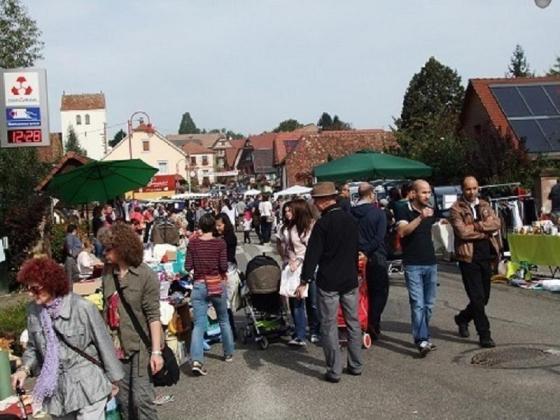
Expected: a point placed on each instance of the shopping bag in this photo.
(290, 281)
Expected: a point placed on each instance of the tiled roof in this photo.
(196, 149)
(231, 152)
(52, 153)
(481, 88)
(70, 160)
(313, 150)
(82, 102)
(263, 141)
(206, 140)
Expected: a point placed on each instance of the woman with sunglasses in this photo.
(69, 385)
(139, 287)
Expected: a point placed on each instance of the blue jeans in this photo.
(199, 301)
(421, 282)
(297, 306)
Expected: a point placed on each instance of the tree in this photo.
(426, 130)
(73, 143)
(327, 123)
(434, 91)
(119, 135)
(288, 125)
(518, 66)
(187, 125)
(555, 69)
(20, 45)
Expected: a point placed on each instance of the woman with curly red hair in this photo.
(59, 324)
(126, 274)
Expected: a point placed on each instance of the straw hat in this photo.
(324, 189)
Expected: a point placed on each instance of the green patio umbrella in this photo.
(366, 165)
(101, 180)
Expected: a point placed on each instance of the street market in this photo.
(389, 248)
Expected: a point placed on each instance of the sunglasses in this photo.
(34, 289)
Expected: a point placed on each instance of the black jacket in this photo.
(333, 246)
(372, 225)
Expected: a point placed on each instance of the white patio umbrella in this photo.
(295, 190)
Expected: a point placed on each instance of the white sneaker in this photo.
(424, 348)
(297, 342)
(315, 338)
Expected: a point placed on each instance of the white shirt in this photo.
(86, 260)
(265, 208)
(232, 214)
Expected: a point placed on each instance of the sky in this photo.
(246, 65)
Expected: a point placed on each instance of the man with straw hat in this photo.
(333, 247)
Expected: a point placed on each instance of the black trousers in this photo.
(246, 237)
(476, 279)
(377, 279)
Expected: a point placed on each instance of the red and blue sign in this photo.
(23, 117)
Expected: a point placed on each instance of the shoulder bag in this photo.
(169, 373)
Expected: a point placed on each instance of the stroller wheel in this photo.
(263, 343)
(366, 340)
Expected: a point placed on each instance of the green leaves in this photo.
(20, 44)
(73, 143)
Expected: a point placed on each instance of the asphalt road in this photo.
(279, 383)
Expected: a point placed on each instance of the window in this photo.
(87, 119)
(145, 146)
(78, 120)
(193, 160)
(163, 167)
(205, 160)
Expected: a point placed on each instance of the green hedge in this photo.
(13, 319)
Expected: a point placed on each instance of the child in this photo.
(247, 226)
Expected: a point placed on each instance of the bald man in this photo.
(476, 246)
(414, 225)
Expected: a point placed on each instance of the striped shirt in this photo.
(206, 257)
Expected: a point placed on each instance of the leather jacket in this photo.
(467, 230)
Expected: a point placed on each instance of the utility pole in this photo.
(104, 135)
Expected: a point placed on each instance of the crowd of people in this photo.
(319, 241)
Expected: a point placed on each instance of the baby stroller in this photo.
(363, 308)
(263, 303)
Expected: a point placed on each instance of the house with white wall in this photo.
(201, 162)
(153, 148)
(87, 115)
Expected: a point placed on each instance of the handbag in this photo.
(169, 373)
(214, 284)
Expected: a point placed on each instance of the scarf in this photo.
(48, 378)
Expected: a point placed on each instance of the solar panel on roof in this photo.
(538, 100)
(511, 103)
(529, 132)
(551, 128)
(554, 94)
(533, 112)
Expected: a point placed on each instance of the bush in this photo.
(13, 320)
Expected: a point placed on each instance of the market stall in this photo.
(538, 249)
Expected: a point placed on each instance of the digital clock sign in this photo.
(24, 114)
(32, 135)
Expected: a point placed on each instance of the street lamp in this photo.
(543, 3)
(130, 128)
(187, 170)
